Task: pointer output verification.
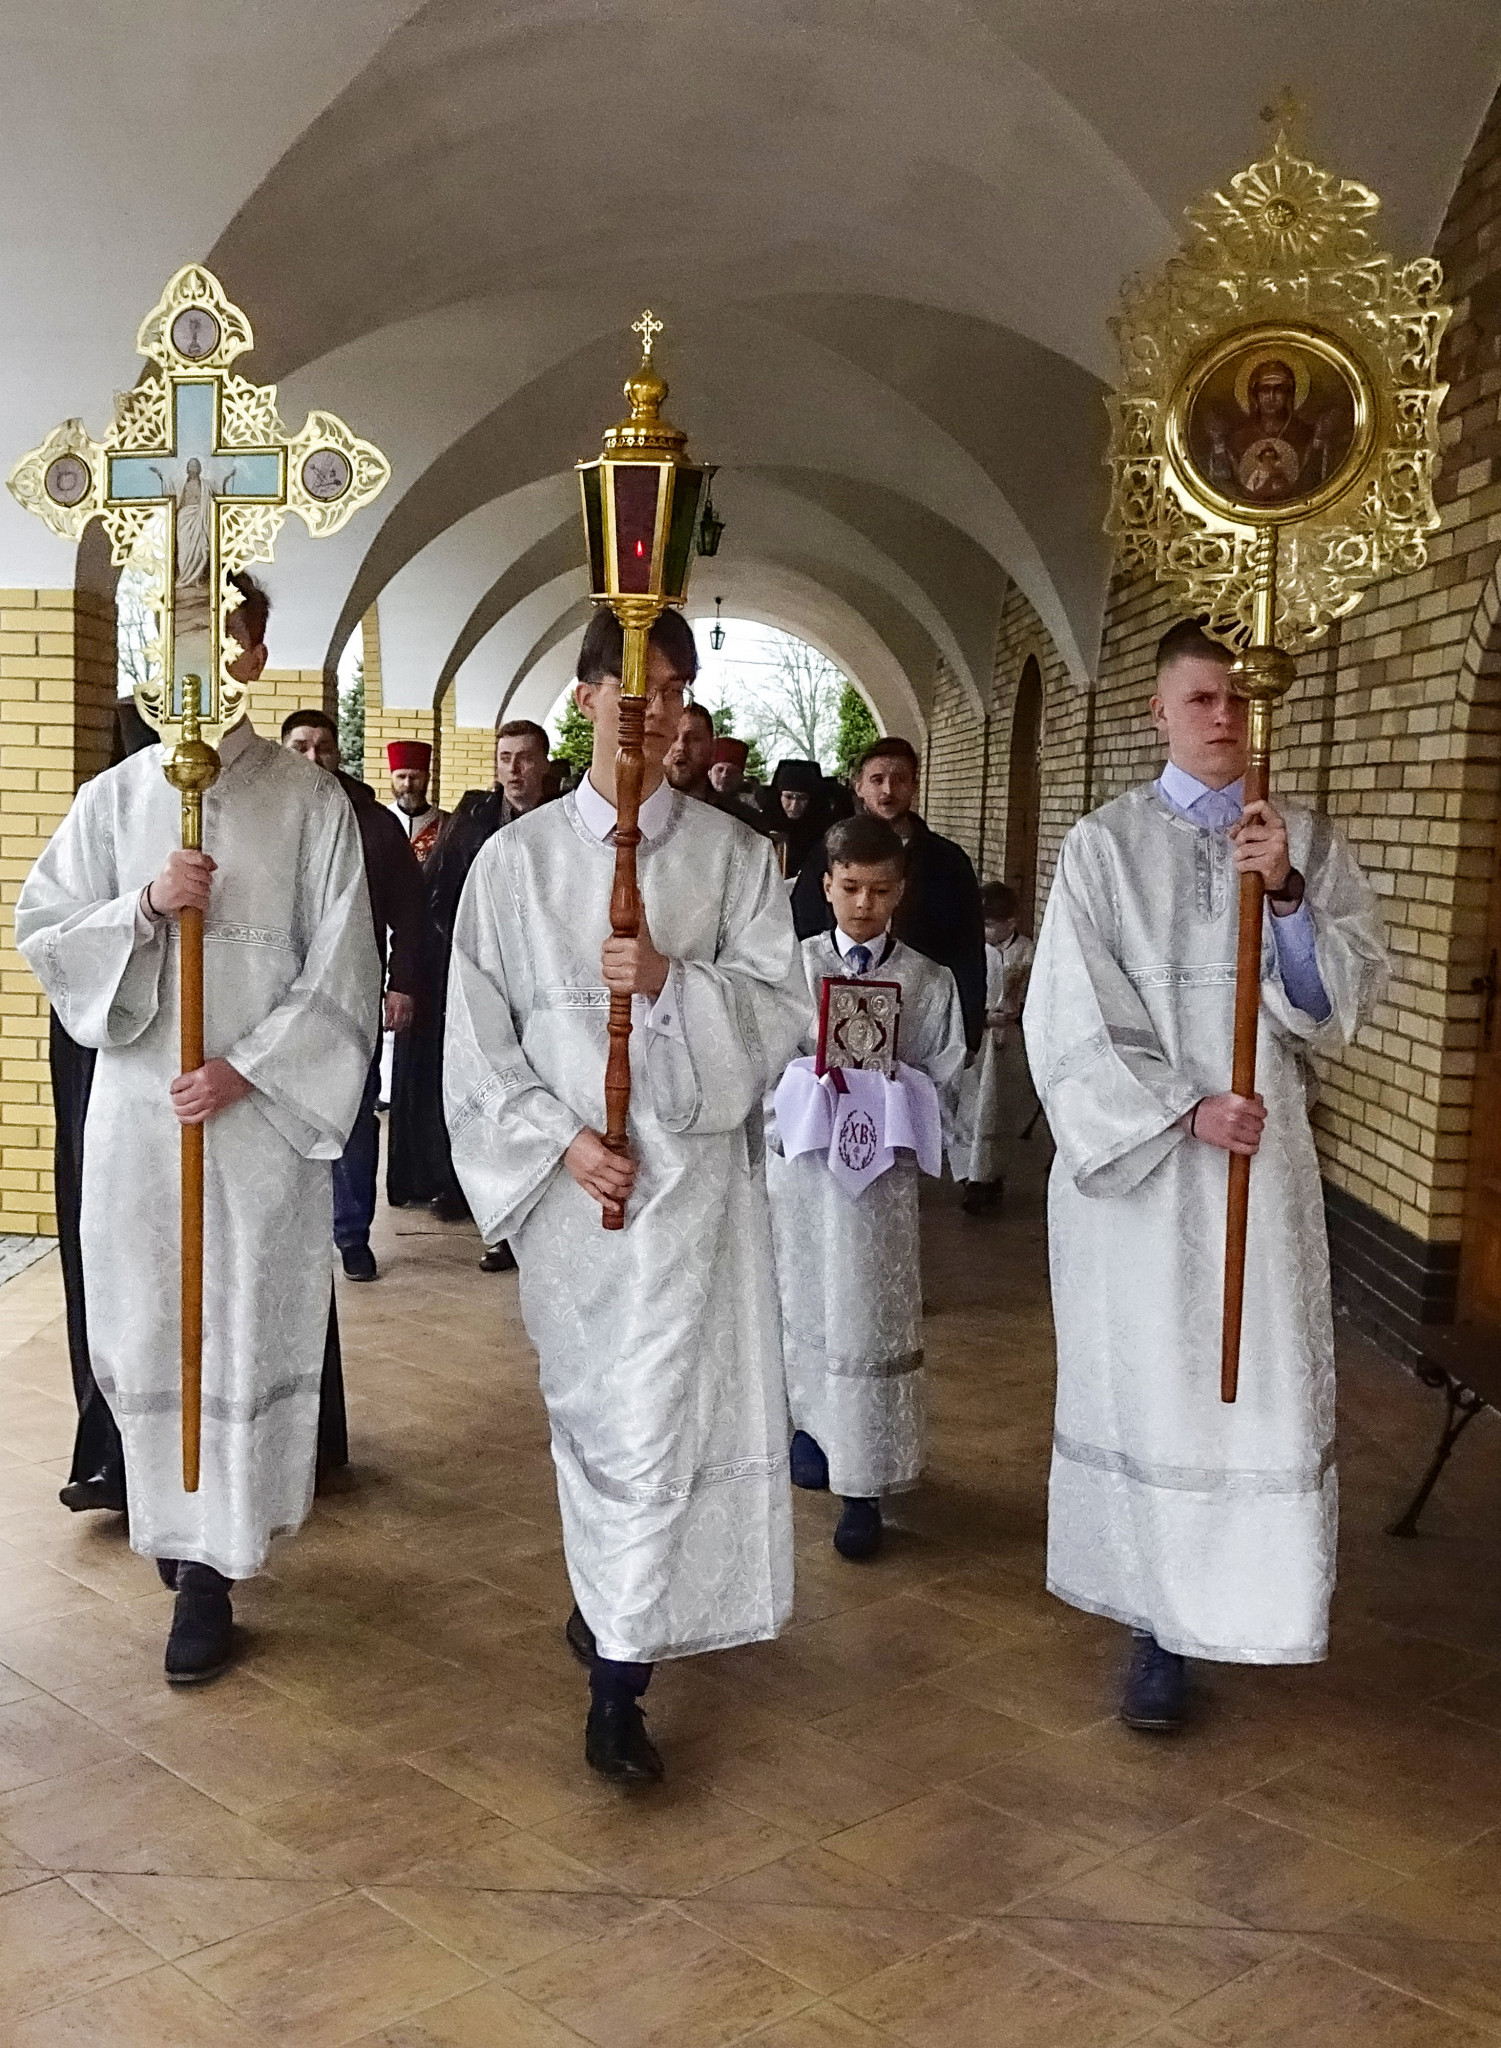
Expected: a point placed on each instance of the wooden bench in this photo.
(1463, 1361)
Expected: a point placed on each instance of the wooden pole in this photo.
(191, 768)
(625, 897)
(1263, 675)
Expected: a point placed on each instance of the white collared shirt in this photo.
(597, 815)
(876, 947)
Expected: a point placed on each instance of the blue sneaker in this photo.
(858, 1535)
(1156, 1681)
(810, 1468)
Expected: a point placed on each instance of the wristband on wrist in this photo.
(151, 909)
(1193, 1118)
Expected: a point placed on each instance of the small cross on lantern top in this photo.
(648, 327)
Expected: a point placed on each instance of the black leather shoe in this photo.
(580, 1639)
(99, 1491)
(980, 1195)
(617, 1745)
(810, 1468)
(167, 1569)
(1156, 1684)
(858, 1535)
(497, 1258)
(449, 1208)
(201, 1642)
(359, 1262)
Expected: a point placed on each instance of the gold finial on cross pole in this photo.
(191, 482)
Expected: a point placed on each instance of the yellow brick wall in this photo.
(280, 690)
(468, 754)
(967, 761)
(383, 724)
(57, 687)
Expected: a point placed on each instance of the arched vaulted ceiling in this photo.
(886, 240)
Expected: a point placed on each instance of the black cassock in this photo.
(97, 1452)
(419, 1165)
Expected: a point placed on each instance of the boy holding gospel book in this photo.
(852, 1126)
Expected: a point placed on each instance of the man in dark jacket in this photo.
(394, 880)
(940, 912)
(421, 1165)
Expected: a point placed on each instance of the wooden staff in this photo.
(625, 897)
(1262, 675)
(191, 768)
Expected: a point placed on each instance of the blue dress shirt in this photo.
(1294, 935)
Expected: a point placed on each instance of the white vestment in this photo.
(1211, 1525)
(661, 1363)
(291, 992)
(994, 1087)
(848, 1268)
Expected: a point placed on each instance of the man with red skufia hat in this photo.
(727, 779)
(411, 765)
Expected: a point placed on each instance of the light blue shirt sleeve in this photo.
(1297, 960)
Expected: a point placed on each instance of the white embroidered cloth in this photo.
(859, 1120)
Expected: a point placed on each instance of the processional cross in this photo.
(192, 481)
(1274, 445)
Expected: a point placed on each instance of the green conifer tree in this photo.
(352, 724)
(857, 729)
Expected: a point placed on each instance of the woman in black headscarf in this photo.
(796, 810)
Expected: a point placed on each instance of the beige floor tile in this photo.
(175, 1915)
(499, 1931)
(823, 2026)
(1456, 1899)
(528, 1769)
(1105, 1797)
(1164, 1967)
(1463, 1977)
(808, 1783)
(106, 1653)
(263, 1757)
(983, 1990)
(1059, 1682)
(41, 1738)
(374, 1826)
(1266, 1875)
(31, 1591)
(54, 1945)
(819, 1919)
(491, 2017)
(1302, 1997)
(494, 1856)
(668, 1841)
(661, 1983)
(931, 1732)
(950, 1851)
(159, 2009)
(1115, 1893)
(326, 1976)
(135, 1817)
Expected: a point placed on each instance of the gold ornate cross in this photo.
(648, 327)
(192, 481)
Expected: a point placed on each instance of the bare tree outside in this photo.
(783, 694)
(134, 626)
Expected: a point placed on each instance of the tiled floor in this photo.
(910, 1821)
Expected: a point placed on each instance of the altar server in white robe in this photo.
(292, 983)
(848, 1264)
(994, 1085)
(1208, 1528)
(660, 1347)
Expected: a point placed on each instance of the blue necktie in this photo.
(859, 958)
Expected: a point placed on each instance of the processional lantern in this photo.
(641, 499)
(1273, 449)
(192, 481)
